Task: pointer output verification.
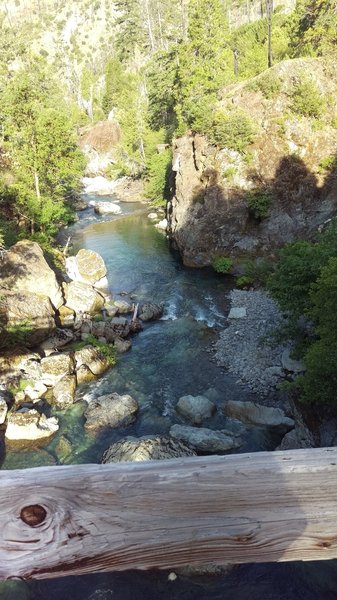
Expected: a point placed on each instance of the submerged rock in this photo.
(30, 425)
(205, 440)
(111, 410)
(256, 414)
(151, 311)
(153, 447)
(195, 408)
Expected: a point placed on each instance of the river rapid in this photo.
(169, 359)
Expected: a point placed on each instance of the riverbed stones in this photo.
(151, 311)
(83, 298)
(59, 339)
(111, 410)
(123, 307)
(24, 269)
(67, 316)
(36, 391)
(122, 346)
(30, 425)
(237, 312)
(257, 414)
(195, 408)
(84, 375)
(155, 447)
(30, 316)
(203, 439)
(97, 328)
(92, 358)
(107, 208)
(64, 392)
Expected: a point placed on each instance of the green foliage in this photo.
(107, 350)
(222, 264)
(314, 27)
(233, 129)
(159, 169)
(257, 271)
(15, 335)
(269, 84)
(306, 99)
(327, 163)
(259, 203)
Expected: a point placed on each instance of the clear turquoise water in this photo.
(168, 359)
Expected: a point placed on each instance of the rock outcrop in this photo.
(210, 215)
(153, 447)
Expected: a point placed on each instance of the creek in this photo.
(169, 359)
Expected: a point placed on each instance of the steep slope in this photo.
(233, 201)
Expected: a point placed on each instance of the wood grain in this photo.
(261, 507)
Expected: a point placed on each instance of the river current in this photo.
(169, 359)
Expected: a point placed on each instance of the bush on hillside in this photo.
(234, 130)
(306, 99)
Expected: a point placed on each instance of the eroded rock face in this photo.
(210, 216)
(154, 447)
(257, 414)
(111, 410)
(33, 315)
(195, 408)
(24, 269)
(30, 425)
(83, 298)
(87, 266)
(203, 439)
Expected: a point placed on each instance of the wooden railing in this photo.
(261, 507)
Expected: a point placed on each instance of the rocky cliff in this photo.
(291, 167)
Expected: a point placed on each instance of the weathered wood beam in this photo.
(261, 507)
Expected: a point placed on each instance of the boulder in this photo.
(24, 269)
(111, 410)
(55, 366)
(67, 316)
(3, 410)
(29, 318)
(122, 345)
(30, 425)
(64, 391)
(59, 339)
(97, 328)
(84, 375)
(237, 312)
(162, 225)
(195, 408)
(87, 266)
(98, 185)
(204, 440)
(150, 312)
(92, 358)
(118, 327)
(155, 447)
(36, 391)
(123, 307)
(256, 414)
(107, 208)
(83, 298)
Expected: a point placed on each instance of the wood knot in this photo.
(33, 515)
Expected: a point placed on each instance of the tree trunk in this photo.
(270, 8)
(37, 186)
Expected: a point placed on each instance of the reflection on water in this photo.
(168, 360)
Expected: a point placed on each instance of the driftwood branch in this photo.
(263, 507)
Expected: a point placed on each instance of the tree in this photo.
(314, 28)
(46, 161)
(270, 9)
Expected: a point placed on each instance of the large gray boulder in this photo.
(30, 425)
(195, 408)
(118, 327)
(203, 439)
(29, 318)
(24, 269)
(257, 414)
(111, 410)
(83, 298)
(87, 266)
(155, 447)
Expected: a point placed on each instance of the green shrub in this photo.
(259, 203)
(268, 83)
(234, 130)
(257, 271)
(327, 163)
(159, 169)
(222, 264)
(306, 99)
(244, 281)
